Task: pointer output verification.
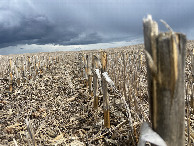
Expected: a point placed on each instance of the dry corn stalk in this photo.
(95, 65)
(166, 81)
(105, 91)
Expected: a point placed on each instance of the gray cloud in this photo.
(70, 22)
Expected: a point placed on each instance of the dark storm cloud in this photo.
(30, 29)
(70, 22)
(19, 23)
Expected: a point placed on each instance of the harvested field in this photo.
(45, 100)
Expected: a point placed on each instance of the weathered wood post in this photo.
(105, 91)
(166, 60)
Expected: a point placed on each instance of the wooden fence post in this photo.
(165, 57)
(105, 91)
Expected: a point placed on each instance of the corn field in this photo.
(46, 99)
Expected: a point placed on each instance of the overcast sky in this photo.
(82, 22)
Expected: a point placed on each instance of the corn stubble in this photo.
(61, 95)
